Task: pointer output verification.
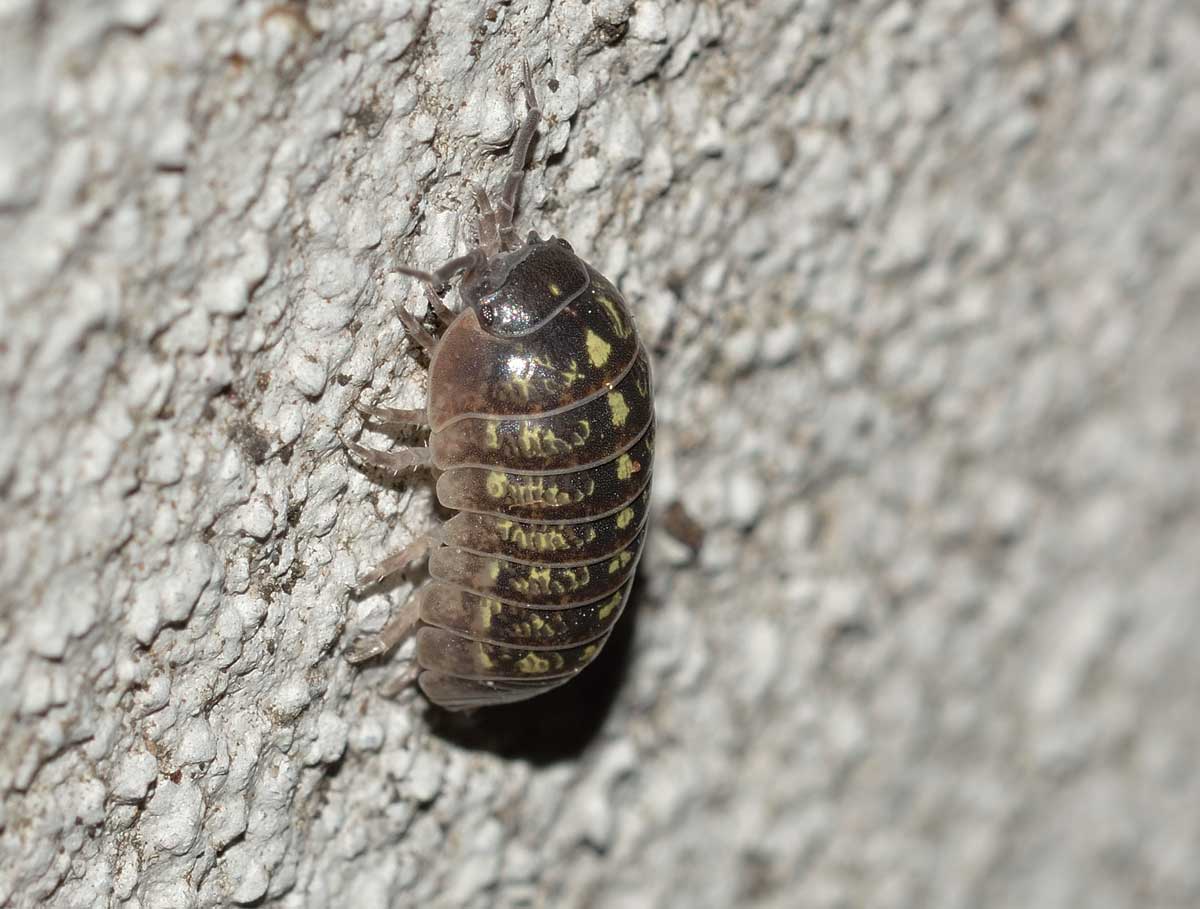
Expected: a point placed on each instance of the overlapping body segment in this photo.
(586, 346)
(549, 586)
(573, 438)
(440, 650)
(496, 622)
(515, 602)
(548, 544)
(576, 495)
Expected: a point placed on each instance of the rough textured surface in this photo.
(924, 279)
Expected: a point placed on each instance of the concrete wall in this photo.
(922, 279)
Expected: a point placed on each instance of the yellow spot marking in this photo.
(625, 468)
(555, 290)
(588, 652)
(517, 388)
(619, 562)
(487, 609)
(614, 316)
(571, 373)
(539, 442)
(624, 518)
(531, 663)
(485, 661)
(598, 349)
(493, 569)
(620, 410)
(523, 538)
(540, 577)
(529, 438)
(551, 541)
(497, 484)
(535, 492)
(606, 610)
(546, 630)
(493, 438)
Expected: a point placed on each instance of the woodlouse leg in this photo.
(506, 207)
(393, 416)
(392, 461)
(439, 278)
(416, 330)
(402, 681)
(411, 554)
(398, 627)
(443, 274)
(489, 232)
(444, 313)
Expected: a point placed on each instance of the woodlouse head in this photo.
(515, 293)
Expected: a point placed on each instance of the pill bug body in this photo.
(541, 424)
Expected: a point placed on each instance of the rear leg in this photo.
(413, 553)
(398, 627)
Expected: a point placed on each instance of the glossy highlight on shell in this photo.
(541, 418)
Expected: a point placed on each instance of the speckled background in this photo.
(921, 278)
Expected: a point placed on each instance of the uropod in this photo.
(541, 419)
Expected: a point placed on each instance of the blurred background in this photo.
(917, 623)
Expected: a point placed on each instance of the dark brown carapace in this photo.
(541, 417)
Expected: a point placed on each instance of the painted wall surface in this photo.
(921, 280)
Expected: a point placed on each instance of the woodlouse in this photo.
(541, 422)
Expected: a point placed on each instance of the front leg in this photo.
(416, 330)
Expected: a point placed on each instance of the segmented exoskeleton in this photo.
(541, 422)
